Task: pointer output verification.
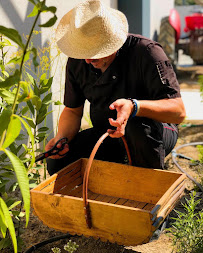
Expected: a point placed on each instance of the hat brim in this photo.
(81, 46)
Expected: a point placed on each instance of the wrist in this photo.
(136, 107)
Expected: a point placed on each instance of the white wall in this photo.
(158, 10)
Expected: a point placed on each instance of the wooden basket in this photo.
(123, 203)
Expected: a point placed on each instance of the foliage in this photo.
(185, 2)
(70, 247)
(200, 81)
(187, 228)
(21, 106)
(200, 149)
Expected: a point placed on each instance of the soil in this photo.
(37, 232)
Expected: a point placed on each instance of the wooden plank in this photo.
(58, 175)
(66, 190)
(92, 195)
(107, 199)
(76, 192)
(148, 207)
(144, 185)
(131, 203)
(113, 200)
(124, 225)
(121, 202)
(64, 180)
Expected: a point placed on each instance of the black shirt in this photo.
(140, 70)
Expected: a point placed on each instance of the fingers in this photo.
(61, 153)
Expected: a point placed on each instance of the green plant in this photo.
(200, 149)
(70, 247)
(20, 96)
(200, 81)
(187, 228)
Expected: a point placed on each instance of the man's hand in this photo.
(50, 145)
(124, 108)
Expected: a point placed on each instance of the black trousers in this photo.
(149, 143)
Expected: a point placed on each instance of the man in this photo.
(129, 82)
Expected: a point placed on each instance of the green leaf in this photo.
(31, 107)
(47, 99)
(9, 223)
(31, 78)
(12, 34)
(49, 23)
(5, 118)
(13, 131)
(3, 226)
(34, 12)
(51, 9)
(30, 121)
(31, 138)
(37, 102)
(24, 110)
(23, 181)
(43, 129)
(58, 103)
(14, 205)
(11, 80)
(7, 95)
(46, 85)
(34, 60)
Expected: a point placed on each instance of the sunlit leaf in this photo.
(30, 121)
(13, 131)
(7, 96)
(3, 226)
(11, 80)
(23, 181)
(34, 12)
(9, 223)
(12, 34)
(58, 103)
(5, 118)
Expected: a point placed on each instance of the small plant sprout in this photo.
(56, 250)
(71, 246)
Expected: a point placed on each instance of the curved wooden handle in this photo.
(87, 171)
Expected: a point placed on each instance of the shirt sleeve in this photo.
(159, 76)
(73, 96)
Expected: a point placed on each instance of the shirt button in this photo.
(114, 77)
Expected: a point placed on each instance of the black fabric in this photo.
(149, 142)
(140, 70)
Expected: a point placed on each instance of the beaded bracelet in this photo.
(136, 106)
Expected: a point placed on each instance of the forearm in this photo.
(69, 122)
(164, 110)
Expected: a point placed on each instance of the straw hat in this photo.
(91, 30)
